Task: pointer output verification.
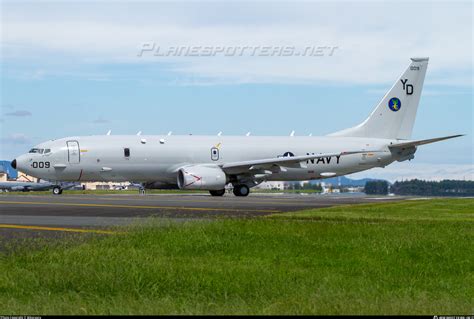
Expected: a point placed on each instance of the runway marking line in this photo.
(75, 230)
(142, 207)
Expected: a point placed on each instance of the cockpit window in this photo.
(40, 150)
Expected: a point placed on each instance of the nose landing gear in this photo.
(57, 190)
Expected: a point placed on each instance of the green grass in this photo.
(446, 209)
(348, 260)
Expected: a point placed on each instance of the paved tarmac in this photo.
(30, 215)
(116, 209)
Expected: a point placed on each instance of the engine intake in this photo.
(201, 177)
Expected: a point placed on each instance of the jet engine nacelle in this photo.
(201, 177)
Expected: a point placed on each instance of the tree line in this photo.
(421, 187)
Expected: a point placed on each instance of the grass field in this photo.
(414, 257)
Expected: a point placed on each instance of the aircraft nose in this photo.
(13, 163)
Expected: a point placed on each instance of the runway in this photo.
(100, 210)
(30, 215)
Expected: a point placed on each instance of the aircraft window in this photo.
(35, 150)
(48, 150)
(126, 152)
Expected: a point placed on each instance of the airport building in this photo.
(271, 185)
(105, 185)
(23, 177)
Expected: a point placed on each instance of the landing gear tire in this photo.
(57, 190)
(219, 192)
(241, 190)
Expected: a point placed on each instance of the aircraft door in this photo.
(74, 155)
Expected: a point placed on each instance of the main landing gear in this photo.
(219, 192)
(241, 190)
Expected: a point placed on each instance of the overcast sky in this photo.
(73, 68)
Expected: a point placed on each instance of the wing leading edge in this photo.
(287, 161)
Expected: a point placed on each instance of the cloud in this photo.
(100, 120)
(408, 170)
(371, 49)
(440, 91)
(16, 138)
(19, 113)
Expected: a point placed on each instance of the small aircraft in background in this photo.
(14, 186)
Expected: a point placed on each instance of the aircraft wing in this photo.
(6, 185)
(16, 186)
(287, 161)
(422, 142)
(27, 186)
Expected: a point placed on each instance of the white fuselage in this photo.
(212, 162)
(157, 158)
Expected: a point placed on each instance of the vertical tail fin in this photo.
(394, 116)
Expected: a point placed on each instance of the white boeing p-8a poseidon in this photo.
(211, 162)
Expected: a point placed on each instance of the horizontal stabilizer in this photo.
(422, 142)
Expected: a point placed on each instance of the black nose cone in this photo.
(13, 163)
